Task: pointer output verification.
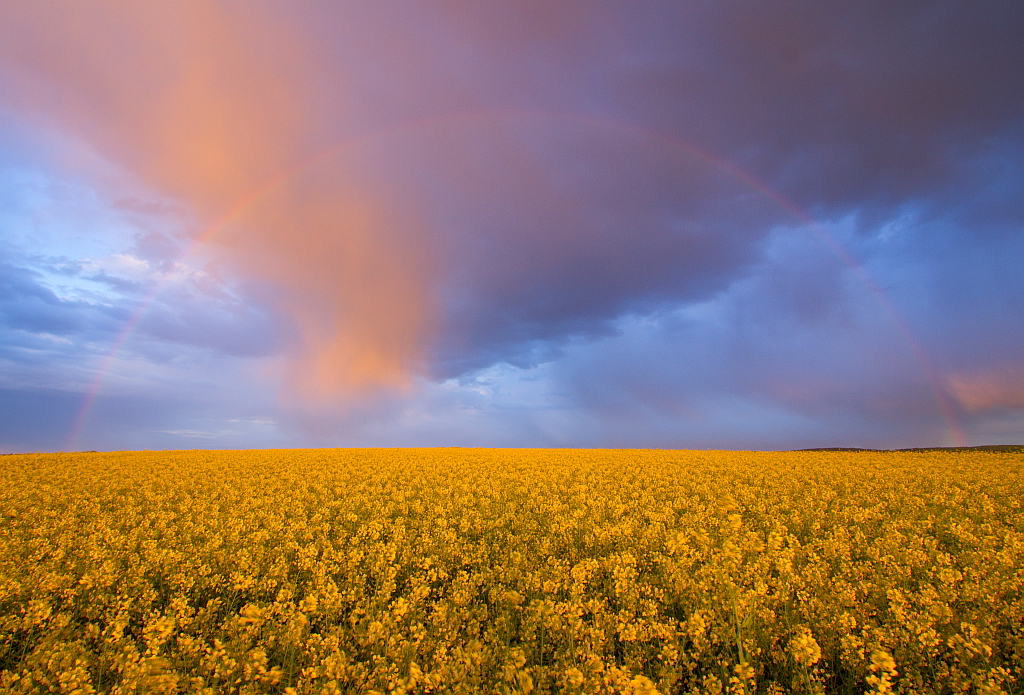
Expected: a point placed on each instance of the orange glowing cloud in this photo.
(208, 102)
(352, 276)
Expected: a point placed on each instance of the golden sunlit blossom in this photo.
(510, 571)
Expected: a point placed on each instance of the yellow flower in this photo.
(804, 648)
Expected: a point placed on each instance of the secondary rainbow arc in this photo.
(245, 203)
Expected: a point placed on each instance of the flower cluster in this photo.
(511, 571)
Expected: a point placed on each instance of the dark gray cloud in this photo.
(839, 106)
(568, 196)
(599, 211)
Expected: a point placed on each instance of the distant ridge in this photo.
(1004, 448)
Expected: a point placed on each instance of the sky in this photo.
(704, 225)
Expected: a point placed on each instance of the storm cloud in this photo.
(665, 224)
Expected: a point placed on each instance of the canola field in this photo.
(511, 571)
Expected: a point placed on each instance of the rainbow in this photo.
(244, 204)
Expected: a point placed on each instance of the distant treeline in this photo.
(1005, 448)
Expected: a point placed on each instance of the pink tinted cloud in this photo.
(209, 102)
(1001, 389)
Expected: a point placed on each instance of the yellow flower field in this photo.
(511, 571)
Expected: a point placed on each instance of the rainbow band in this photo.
(247, 202)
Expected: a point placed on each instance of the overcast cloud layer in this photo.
(706, 225)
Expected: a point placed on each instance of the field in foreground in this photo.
(503, 571)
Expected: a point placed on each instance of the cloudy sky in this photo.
(266, 223)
